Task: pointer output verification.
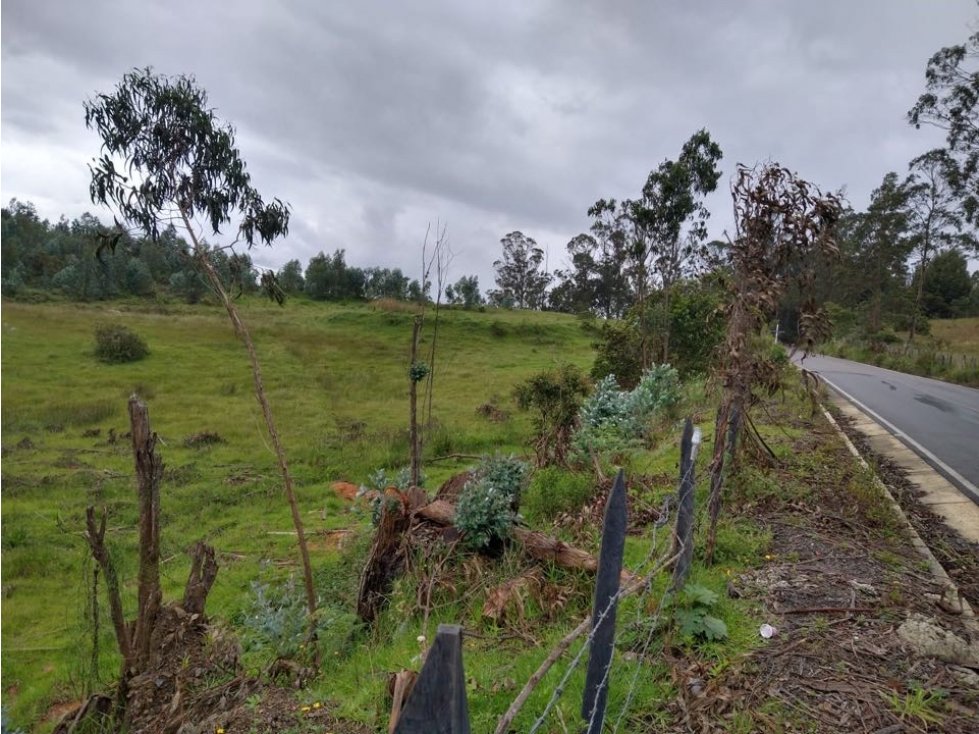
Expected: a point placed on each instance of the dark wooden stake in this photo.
(683, 538)
(416, 447)
(438, 704)
(603, 613)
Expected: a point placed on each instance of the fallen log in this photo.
(387, 556)
(384, 563)
(536, 545)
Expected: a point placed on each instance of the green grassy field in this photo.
(337, 379)
(958, 335)
(949, 352)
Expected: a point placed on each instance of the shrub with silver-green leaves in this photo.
(614, 420)
(506, 473)
(381, 480)
(115, 343)
(484, 512)
(276, 621)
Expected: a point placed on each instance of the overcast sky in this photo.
(373, 119)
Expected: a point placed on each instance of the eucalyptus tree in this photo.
(290, 277)
(465, 292)
(166, 158)
(521, 281)
(672, 214)
(658, 236)
(951, 103)
(935, 216)
(883, 244)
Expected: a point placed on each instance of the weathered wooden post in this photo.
(437, 704)
(603, 613)
(683, 538)
(149, 473)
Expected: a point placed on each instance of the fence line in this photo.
(438, 703)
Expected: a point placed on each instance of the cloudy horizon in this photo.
(374, 120)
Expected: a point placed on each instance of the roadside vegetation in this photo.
(63, 452)
(948, 350)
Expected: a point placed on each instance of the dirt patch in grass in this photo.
(202, 440)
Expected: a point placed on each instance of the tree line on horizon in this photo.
(68, 258)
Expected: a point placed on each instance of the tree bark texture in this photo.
(385, 561)
(203, 571)
(96, 541)
(149, 473)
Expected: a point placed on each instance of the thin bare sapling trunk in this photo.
(95, 536)
(242, 332)
(413, 378)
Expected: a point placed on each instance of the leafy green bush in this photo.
(618, 352)
(696, 328)
(553, 490)
(484, 513)
(777, 355)
(115, 343)
(693, 615)
(555, 396)
(697, 324)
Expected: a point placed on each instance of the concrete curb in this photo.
(968, 614)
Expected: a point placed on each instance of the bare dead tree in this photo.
(439, 259)
(783, 224)
(136, 639)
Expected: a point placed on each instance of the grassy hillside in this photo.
(960, 336)
(949, 352)
(337, 380)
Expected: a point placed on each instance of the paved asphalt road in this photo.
(938, 420)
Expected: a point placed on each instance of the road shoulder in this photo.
(939, 495)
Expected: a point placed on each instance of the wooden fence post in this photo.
(603, 613)
(437, 704)
(683, 538)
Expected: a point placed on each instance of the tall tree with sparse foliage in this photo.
(934, 217)
(881, 245)
(179, 164)
(951, 103)
(520, 280)
(673, 218)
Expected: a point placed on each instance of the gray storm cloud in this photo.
(373, 119)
